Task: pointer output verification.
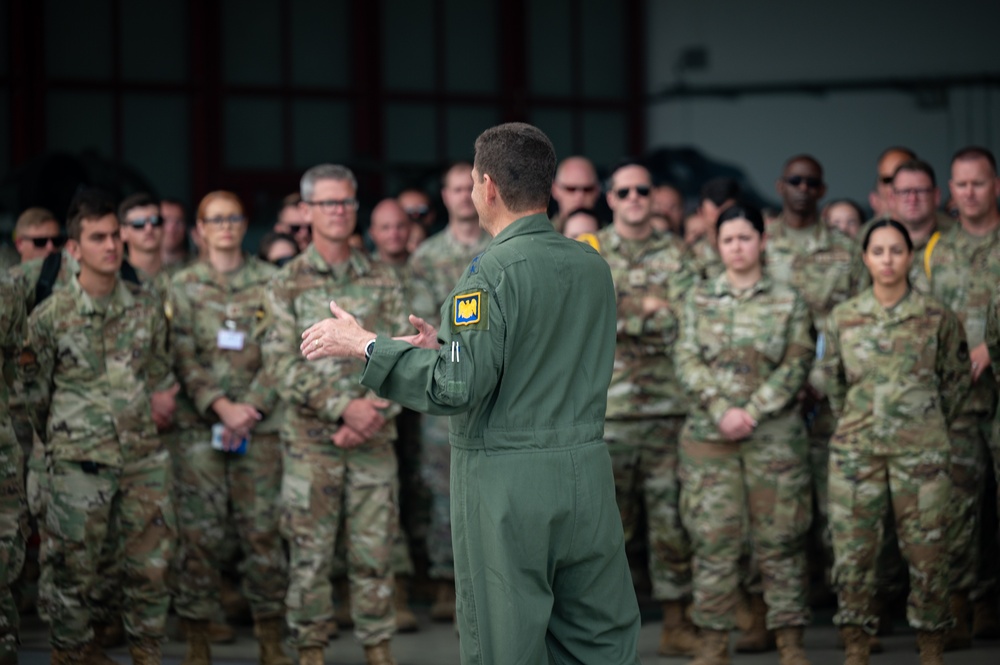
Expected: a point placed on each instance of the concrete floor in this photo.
(436, 644)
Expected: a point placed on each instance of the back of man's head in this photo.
(521, 161)
(88, 204)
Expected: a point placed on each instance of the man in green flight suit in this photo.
(522, 367)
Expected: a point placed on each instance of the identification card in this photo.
(217, 431)
(231, 340)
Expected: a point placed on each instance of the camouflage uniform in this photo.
(320, 479)
(205, 305)
(705, 260)
(896, 378)
(646, 403)
(822, 266)
(964, 269)
(96, 362)
(13, 511)
(749, 349)
(437, 265)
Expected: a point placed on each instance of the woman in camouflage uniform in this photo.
(896, 368)
(744, 352)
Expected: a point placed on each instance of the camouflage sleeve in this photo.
(426, 299)
(38, 361)
(831, 368)
(993, 329)
(785, 381)
(12, 328)
(263, 390)
(952, 366)
(198, 382)
(695, 375)
(161, 376)
(297, 384)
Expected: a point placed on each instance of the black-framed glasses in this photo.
(913, 191)
(418, 213)
(40, 242)
(295, 228)
(573, 189)
(153, 220)
(334, 204)
(623, 192)
(809, 181)
(220, 220)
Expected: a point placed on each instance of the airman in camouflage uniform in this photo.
(96, 362)
(646, 403)
(216, 341)
(749, 349)
(334, 460)
(897, 378)
(13, 511)
(963, 266)
(437, 265)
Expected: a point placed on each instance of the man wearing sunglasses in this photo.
(646, 403)
(37, 234)
(142, 233)
(575, 187)
(292, 221)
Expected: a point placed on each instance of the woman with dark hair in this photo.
(896, 367)
(744, 352)
(277, 248)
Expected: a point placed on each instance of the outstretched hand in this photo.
(426, 337)
(340, 336)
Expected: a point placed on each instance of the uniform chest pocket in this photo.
(713, 336)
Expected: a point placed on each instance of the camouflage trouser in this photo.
(917, 488)
(436, 469)
(400, 561)
(644, 461)
(84, 502)
(968, 465)
(765, 479)
(13, 534)
(319, 480)
(822, 424)
(209, 482)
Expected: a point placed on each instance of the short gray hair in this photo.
(325, 172)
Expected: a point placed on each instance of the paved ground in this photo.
(436, 644)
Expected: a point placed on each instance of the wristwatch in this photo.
(369, 350)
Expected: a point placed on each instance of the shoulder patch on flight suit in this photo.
(470, 311)
(590, 239)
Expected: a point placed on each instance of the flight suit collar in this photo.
(121, 298)
(721, 287)
(537, 223)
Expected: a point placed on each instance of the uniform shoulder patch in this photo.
(590, 239)
(468, 308)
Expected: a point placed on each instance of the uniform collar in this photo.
(356, 262)
(721, 286)
(909, 307)
(654, 242)
(537, 223)
(121, 298)
(819, 239)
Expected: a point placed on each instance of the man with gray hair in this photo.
(338, 437)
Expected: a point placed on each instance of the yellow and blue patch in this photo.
(469, 311)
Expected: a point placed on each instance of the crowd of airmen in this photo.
(764, 395)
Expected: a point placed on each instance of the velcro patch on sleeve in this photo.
(470, 311)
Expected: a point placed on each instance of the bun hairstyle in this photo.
(887, 223)
(742, 211)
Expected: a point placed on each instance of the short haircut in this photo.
(272, 237)
(291, 201)
(521, 161)
(452, 167)
(741, 211)
(976, 152)
(623, 163)
(917, 166)
(88, 204)
(720, 190)
(896, 148)
(31, 218)
(325, 172)
(881, 224)
(215, 196)
(803, 158)
(137, 200)
(180, 204)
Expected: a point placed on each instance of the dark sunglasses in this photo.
(573, 189)
(886, 179)
(641, 190)
(811, 183)
(295, 228)
(282, 261)
(418, 212)
(153, 220)
(42, 241)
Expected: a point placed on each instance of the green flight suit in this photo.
(528, 341)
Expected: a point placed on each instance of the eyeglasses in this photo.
(913, 191)
(220, 220)
(153, 220)
(41, 242)
(334, 204)
(418, 212)
(573, 189)
(798, 180)
(295, 228)
(623, 192)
